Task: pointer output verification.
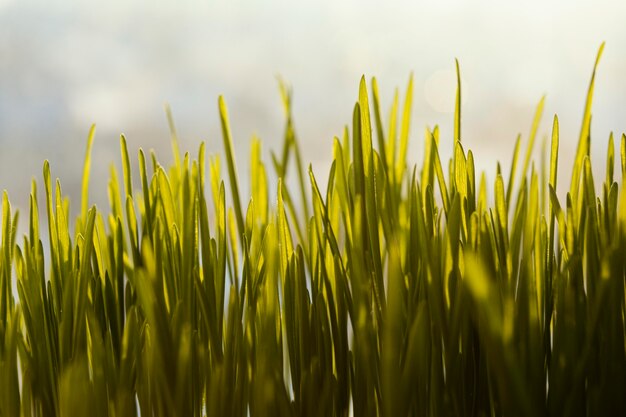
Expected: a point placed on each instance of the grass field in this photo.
(391, 290)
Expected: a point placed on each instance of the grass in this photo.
(389, 291)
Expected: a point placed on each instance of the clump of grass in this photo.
(392, 291)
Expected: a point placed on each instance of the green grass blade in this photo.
(554, 152)
(509, 188)
(147, 198)
(232, 170)
(392, 137)
(583, 147)
(533, 134)
(439, 171)
(457, 104)
(404, 132)
(173, 137)
(128, 181)
(86, 168)
(622, 152)
(380, 135)
(610, 160)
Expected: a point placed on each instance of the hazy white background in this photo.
(66, 65)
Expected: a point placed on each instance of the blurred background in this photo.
(65, 66)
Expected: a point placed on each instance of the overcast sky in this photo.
(63, 67)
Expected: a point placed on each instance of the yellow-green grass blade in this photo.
(457, 104)
(501, 204)
(80, 301)
(610, 160)
(291, 141)
(554, 152)
(173, 137)
(301, 179)
(6, 281)
(502, 234)
(427, 166)
(166, 198)
(460, 180)
(380, 135)
(404, 132)
(206, 284)
(86, 168)
(148, 204)
(460, 170)
(511, 183)
(622, 151)
(220, 271)
(52, 227)
(583, 147)
(284, 234)
(440, 176)
(291, 207)
(216, 178)
(392, 136)
(234, 248)
(365, 137)
(258, 179)
(554, 156)
(371, 188)
(232, 166)
(533, 134)
(128, 181)
(325, 220)
(543, 175)
(342, 188)
(63, 234)
(471, 182)
(115, 196)
(590, 195)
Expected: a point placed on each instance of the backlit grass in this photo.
(392, 290)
